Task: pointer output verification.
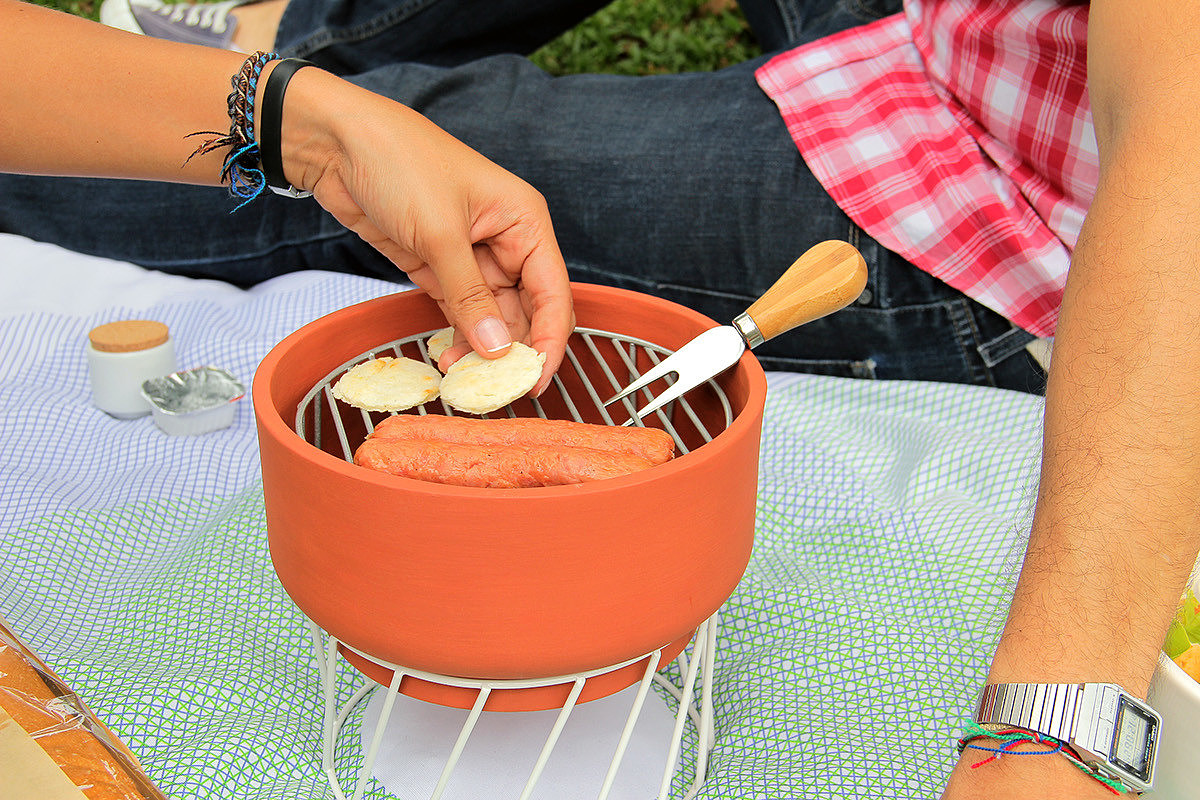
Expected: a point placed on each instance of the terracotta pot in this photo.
(506, 583)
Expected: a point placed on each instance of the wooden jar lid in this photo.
(129, 335)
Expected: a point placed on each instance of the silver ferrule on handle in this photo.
(749, 330)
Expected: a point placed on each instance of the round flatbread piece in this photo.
(478, 385)
(438, 342)
(388, 384)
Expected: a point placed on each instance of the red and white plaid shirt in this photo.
(959, 135)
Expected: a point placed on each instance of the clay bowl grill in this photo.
(508, 583)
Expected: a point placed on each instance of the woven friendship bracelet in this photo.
(1007, 739)
(241, 168)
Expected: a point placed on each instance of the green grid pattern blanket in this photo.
(891, 521)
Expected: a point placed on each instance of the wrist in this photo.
(1019, 777)
(306, 140)
(1066, 625)
(1102, 730)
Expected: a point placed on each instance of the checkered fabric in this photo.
(959, 135)
(890, 522)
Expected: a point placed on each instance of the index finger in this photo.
(473, 308)
(526, 252)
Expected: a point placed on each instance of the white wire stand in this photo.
(695, 663)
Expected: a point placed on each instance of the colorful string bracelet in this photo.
(1007, 739)
(242, 168)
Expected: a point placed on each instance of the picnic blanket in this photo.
(890, 527)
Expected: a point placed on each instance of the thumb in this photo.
(469, 302)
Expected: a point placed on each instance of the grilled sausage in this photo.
(497, 466)
(652, 444)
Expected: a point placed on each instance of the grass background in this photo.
(640, 37)
(627, 37)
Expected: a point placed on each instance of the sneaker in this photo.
(209, 24)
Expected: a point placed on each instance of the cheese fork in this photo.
(828, 277)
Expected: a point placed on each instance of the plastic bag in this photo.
(87, 755)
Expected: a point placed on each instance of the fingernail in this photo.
(492, 334)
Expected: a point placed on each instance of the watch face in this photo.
(1134, 740)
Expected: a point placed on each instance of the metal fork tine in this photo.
(672, 392)
(692, 364)
(660, 370)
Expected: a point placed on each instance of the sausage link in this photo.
(652, 444)
(495, 466)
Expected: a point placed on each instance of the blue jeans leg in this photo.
(780, 24)
(353, 36)
(686, 186)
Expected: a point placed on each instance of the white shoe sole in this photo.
(118, 14)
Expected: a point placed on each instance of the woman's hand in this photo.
(473, 235)
(477, 238)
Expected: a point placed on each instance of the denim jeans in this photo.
(685, 186)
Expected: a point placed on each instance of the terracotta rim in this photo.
(286, 435)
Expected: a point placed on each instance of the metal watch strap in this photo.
(270, 128)
(1110, 731)
(1048, 708)
(1083, 715)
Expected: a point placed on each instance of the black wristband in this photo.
(270, 136)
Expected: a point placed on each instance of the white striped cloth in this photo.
(890, 522)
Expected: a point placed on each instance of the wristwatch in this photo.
(1114, 733)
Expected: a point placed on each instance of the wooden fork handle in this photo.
(828, 277)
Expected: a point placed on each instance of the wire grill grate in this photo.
(597, 365)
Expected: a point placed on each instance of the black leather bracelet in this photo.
(270, 135)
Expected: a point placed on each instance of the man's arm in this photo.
(1117, 524)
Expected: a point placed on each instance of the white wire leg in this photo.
(461, 743)
(643, 689)
(364, 774)
(559, 723)
(333, 720)
(686, 689)
(699, 664)
(706, 737)
(704, 653)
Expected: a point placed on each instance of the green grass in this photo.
(641, 37)
(81, 8)
(628, 37)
